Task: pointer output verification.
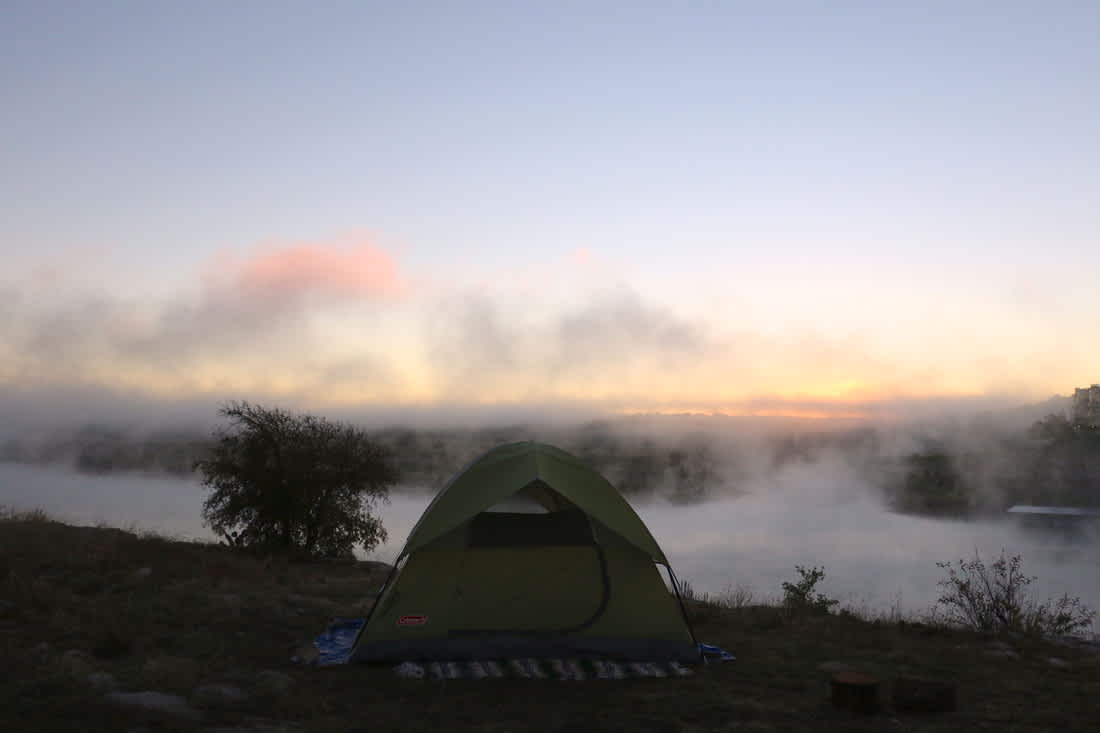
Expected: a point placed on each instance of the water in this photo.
(875, 560)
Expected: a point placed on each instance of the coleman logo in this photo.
(416, 620)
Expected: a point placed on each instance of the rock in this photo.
(916, 695)
(208, 696)
(75, 663)
(156, 702)
(1058, 662)
(833, 666)
(7, 608)
(274, 682)
(1003, 646)
(142, 573)
(1002, 654)
(102, 681)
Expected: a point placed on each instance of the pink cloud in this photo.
(353, 269)
(579, 257)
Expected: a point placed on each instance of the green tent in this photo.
(528, 552)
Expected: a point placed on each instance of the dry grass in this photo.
(82, 603)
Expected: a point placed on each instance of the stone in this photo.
(75, 663)
(142, 573)
(274, 682)
(156, 702)
(208, 696)
(833, 666)
(1058, 662)
(102, 681)
(7, 608)
(1002, 654)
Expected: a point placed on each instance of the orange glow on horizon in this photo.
(778, 412)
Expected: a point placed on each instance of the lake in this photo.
(875, 560)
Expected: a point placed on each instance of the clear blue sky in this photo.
(916, 182)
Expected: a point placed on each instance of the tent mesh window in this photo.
(554, 529)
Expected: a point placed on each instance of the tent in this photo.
(528, 552)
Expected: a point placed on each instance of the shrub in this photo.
(803, 595)
(294, 484)
(995, 598)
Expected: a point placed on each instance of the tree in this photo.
(295, 484)
(933, 485)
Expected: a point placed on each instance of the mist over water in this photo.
(168, 506)
(808, 514)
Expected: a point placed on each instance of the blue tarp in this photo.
(334, 643)
(713, 653)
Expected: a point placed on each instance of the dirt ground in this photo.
(87, 613)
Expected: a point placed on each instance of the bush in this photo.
(994, 598)
(294, 484)
(803, 595)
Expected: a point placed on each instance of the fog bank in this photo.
(808, 515)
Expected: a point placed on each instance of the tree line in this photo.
(1055, 462)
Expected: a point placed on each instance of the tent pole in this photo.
(683, 609)
(377, 598)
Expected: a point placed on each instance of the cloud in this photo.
(616, 329)
(342, 323)
(605, 345)
(252, 321)
(352, 269)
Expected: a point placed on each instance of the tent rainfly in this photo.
(528, 552)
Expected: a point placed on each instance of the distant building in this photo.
(1086, 406)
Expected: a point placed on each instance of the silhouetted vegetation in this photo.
(995, 598)
(804, 596)
(956, 471)
(933, 485)
(1066, 468)
(294, 483)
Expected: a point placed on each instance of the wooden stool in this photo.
(855, 692)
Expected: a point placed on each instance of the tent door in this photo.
(541, 590)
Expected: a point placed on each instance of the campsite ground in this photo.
(84, 611)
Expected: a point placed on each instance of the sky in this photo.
(766, 208)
